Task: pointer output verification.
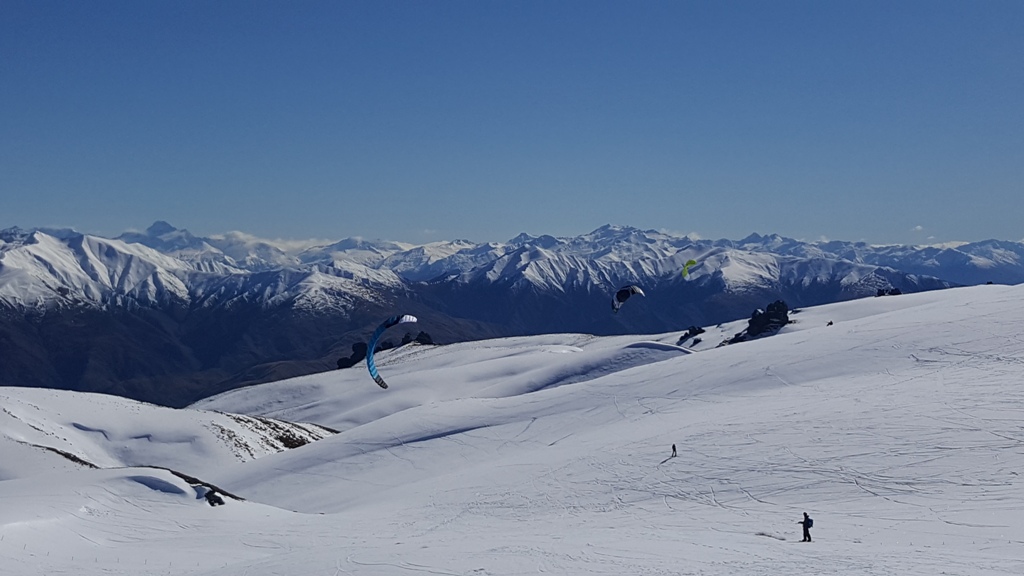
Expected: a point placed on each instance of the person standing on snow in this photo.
(807, 523)
(673, 450)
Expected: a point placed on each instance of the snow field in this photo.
(898, 429)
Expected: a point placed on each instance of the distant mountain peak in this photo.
(615, 230)
(13, 233)
(522, 238)
(159, 228)
(756, 238)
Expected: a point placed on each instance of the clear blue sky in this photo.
(416, 121)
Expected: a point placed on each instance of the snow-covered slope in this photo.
(996, 261)
(45, 430)
(165, 264)
(895, 422)
(42, 270)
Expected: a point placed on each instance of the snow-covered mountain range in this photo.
(894, 422)
(168, 316)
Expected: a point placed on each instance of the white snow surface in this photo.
(899, 429)
(109, 432)
(95, 268)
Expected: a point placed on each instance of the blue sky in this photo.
(418, 121)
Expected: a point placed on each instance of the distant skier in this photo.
(673, 450)
(807, 523)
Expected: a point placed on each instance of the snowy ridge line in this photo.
(167, 266)
(68, 455)
(186, 477)
(85, 429)
(660, 346)
(196, 482)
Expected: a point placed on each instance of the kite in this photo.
(370, 365)
(623, 294)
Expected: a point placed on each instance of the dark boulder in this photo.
(690, 333)
(764, 322)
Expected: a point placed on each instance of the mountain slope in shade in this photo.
(895, 428)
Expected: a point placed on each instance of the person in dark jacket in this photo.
(673, 450)
(807, 523)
